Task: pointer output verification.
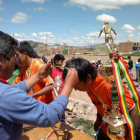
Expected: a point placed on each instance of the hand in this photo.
(44, 71)
(70, 81)
(72, 78)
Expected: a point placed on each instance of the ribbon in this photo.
(119, 63)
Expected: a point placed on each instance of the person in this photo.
(99, 91)
(42, 90)
(14, 75)
(108, 37)
(137, 66)
(98, 63)
(57, 71)
(93, 62)
(130, 65)
(16, 107)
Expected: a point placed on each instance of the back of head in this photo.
(26, 47)
(83, 66)
(7, 44)
(129, 57)
(59, 57)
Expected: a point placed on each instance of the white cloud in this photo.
(34, 35)
(36, 1)
(128, 29)
(138, 27)
(101, 4)
(41, 9)
(105, 17)
(90, 38)
(46, 34)
(20, 17)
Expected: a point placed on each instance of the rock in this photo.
(80, 128)
(70, 106)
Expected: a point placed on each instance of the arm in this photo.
(43, 91)
(134, 117)
(100, 33)
(16, 107)
(43, 72)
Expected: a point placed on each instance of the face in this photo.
(7, 66)
(84, 86)
(21, 58)
(59, 62)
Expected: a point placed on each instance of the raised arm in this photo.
(43, 72)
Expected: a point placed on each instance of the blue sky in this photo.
(75, 22)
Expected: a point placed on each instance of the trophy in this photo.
(114, 118)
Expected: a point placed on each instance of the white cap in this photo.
(93, 61)
(99, 58)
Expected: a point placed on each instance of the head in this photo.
(58, 59)
(25, 52)
(86, 72)
(8, 46)
(93, 62)
(106, 22)
(139, 60)
(99, 60)
(129, 57)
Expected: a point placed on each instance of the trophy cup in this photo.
(114, 118)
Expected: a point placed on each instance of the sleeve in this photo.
(21, 85)
(16, 107)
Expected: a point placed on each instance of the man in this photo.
(100, 93)
(16, 107)
(42, 90)
(108, 37)
(98, 63)
(130, 65)
(137, 66)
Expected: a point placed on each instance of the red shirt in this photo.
(58, 72)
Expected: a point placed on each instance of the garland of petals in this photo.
(116, 72)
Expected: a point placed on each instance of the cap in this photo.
(99, 58)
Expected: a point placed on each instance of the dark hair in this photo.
(26, 47)
(7, 44)
(129, 57)
(83, 66)
(59, 57)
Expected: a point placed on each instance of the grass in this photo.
(87, 124)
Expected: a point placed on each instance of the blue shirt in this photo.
(17, 108)
(137, 65)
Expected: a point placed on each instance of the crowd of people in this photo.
(35, 91)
